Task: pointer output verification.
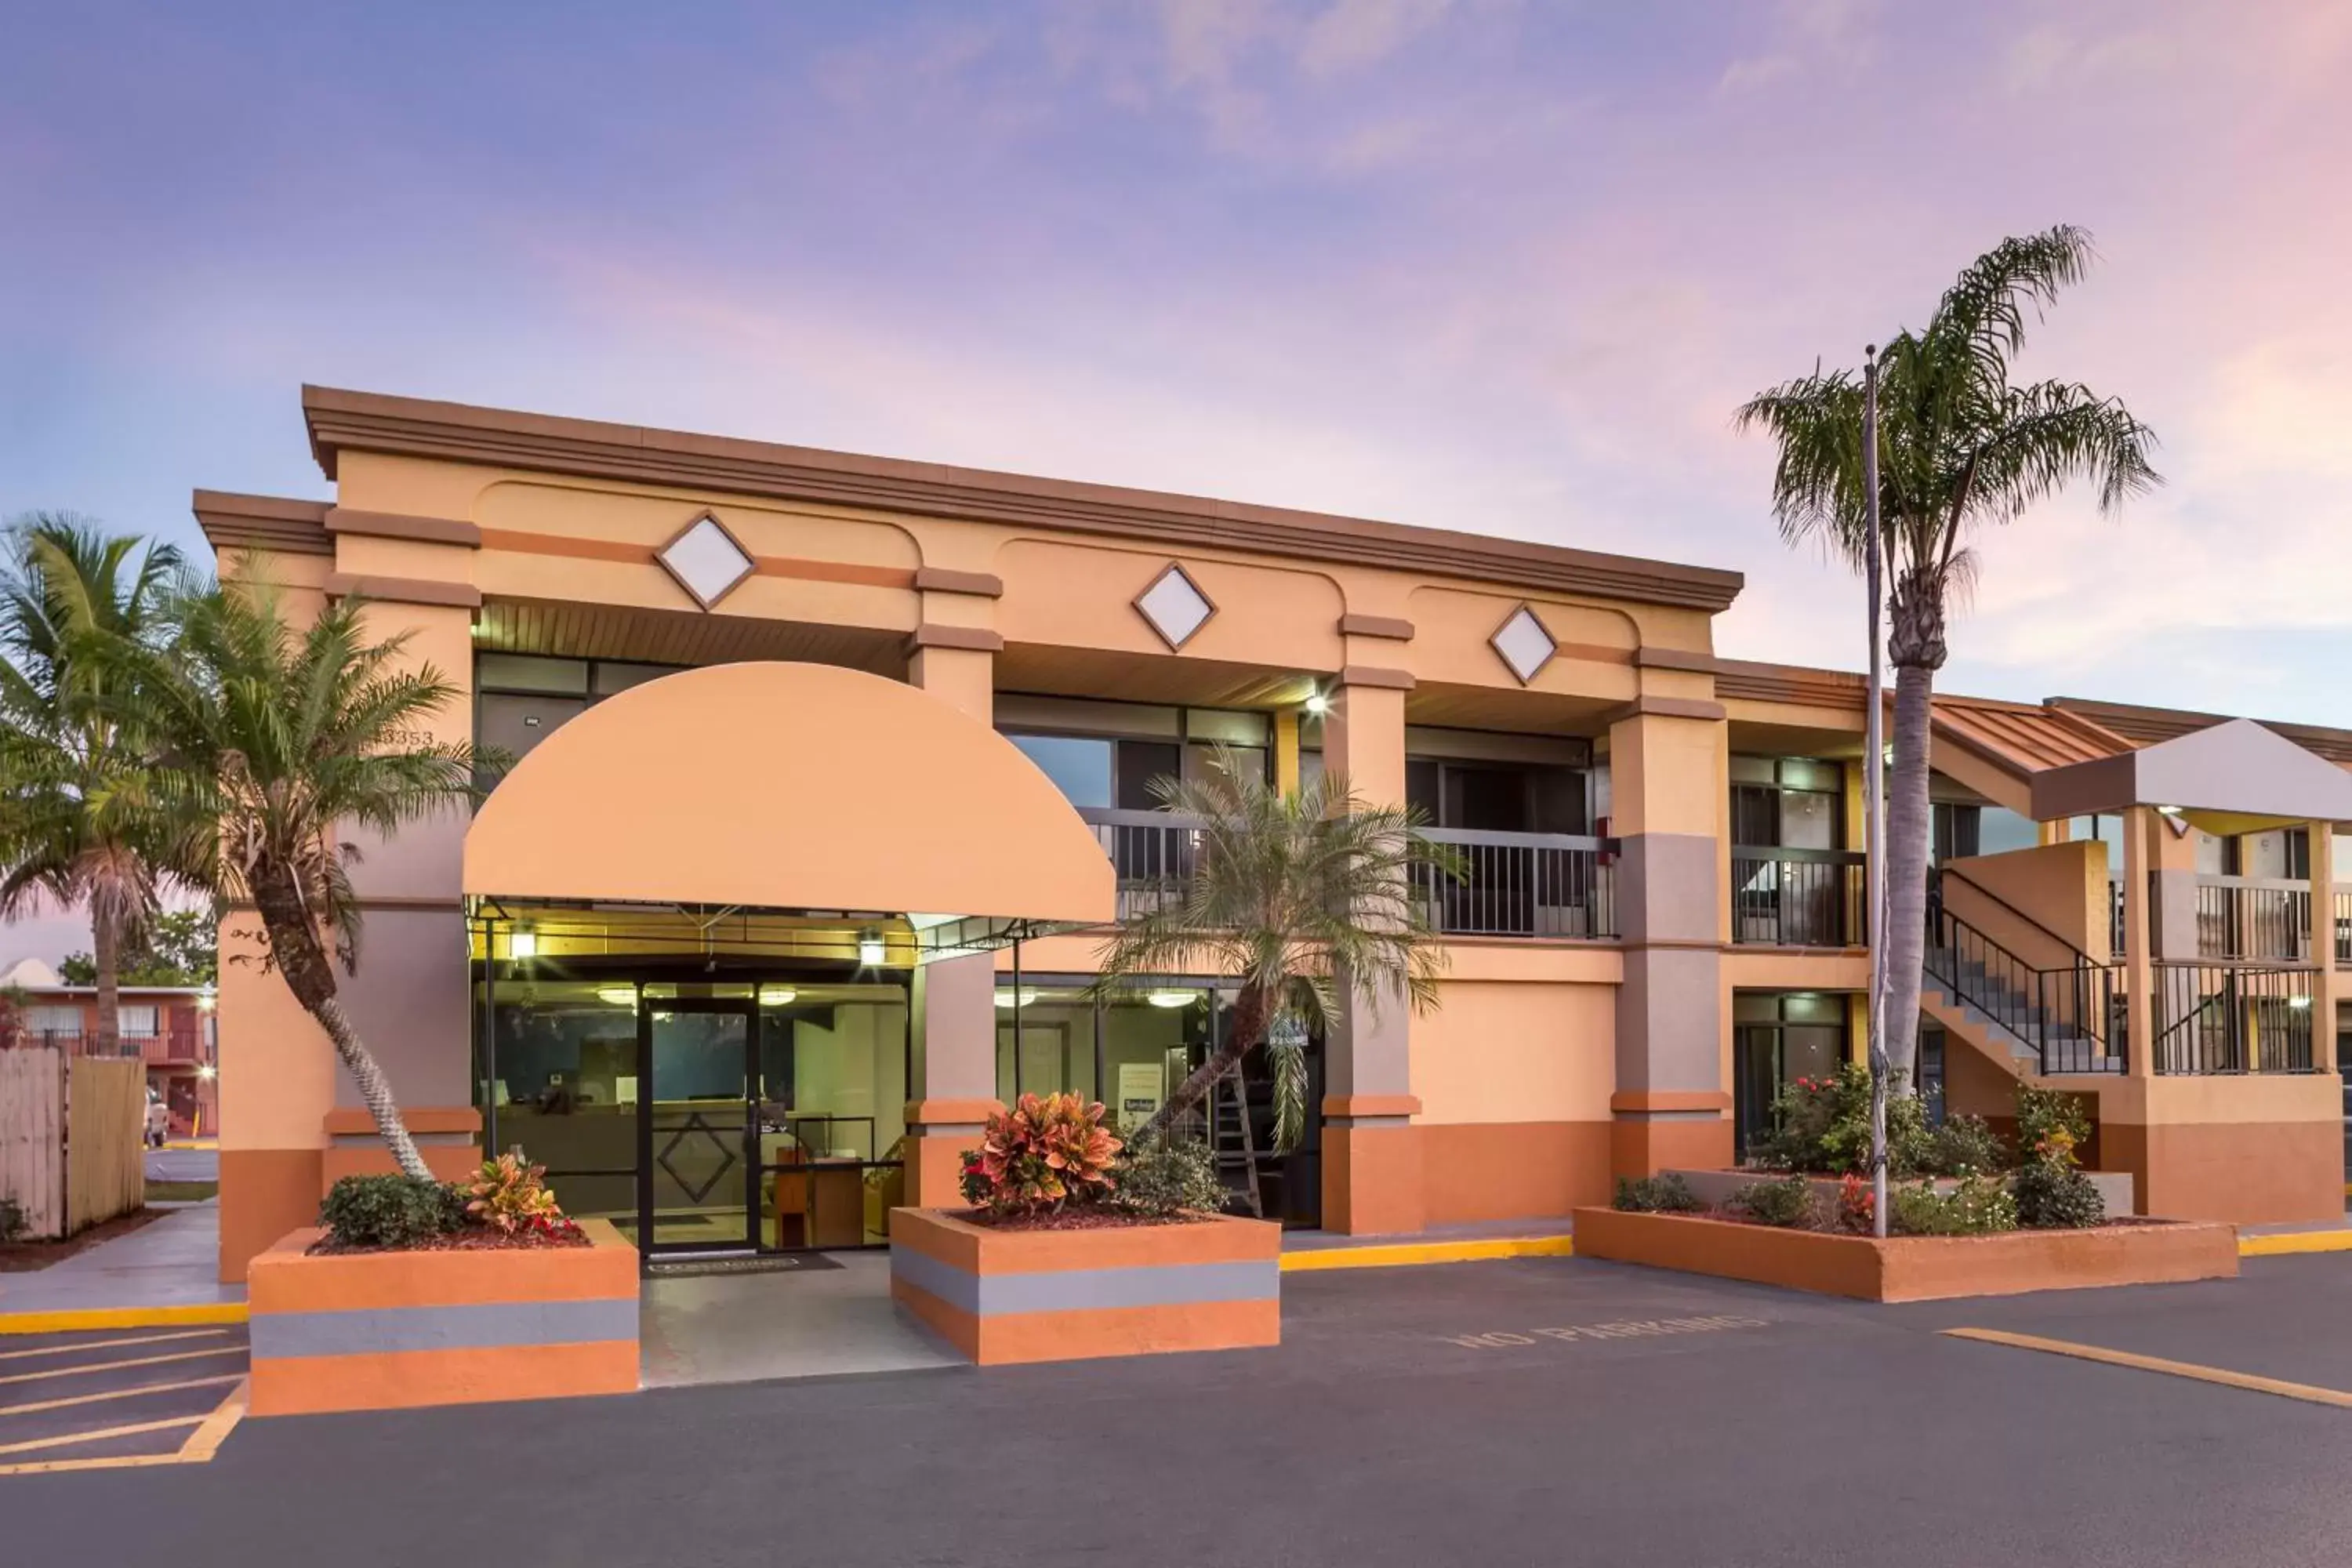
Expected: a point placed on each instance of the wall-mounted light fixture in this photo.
(1317, 704)
(871, 950)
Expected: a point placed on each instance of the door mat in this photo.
(776, 1263)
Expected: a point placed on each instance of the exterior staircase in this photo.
(2065, 1017)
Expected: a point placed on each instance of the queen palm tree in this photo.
(81, 823)
(1292, 894)
(281, 740)
(1960, 448)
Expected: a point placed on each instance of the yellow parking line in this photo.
(78, 1320)
(120, 1394)
(2281, 1244)
(103, 1434)
(200, 1449)
(113, 1344)
(2222, 1375)
(119, 1365)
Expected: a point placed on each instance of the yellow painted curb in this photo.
(1411, 1253)
(75, 1320)
(2221, 1375)
(2294, 1241)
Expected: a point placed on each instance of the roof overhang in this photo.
(789, 786)
(2237, 777)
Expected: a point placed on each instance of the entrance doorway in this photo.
(697, 1126)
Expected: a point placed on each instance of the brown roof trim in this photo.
(402, 590)
(1374, 676)
(398, 525)
(1745, 680)
(941, 580)
(1664, 708)
(2146, 726)
(288, 527)
(979, 639)
(1647, 658)
(1394, 628)
(374, 422)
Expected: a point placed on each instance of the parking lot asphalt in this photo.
(111, 1395)
(1538, 1411)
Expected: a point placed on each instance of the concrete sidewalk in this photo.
(163, 1272)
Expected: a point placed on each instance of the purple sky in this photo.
(1483, 265)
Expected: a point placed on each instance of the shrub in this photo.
(1962, 1144)
(2046, 1116)
(1978, 1205)
(1857, 1209)
(370, 1212)
(1787, 1203)
(1163, 1179)
(1665, 1193)
(1823, 1125)
(2053, 1196)
(12, 1219)
(513, 1198)
(1039, 1155)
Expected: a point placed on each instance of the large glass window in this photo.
(565, 1087)
(1079, 766)
(1054, 1052)
(1787, 803)
(1778, 1037)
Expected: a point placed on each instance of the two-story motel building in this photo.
(831, 769)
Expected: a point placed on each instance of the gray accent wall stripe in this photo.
(496, 1325)
(1080, 1290)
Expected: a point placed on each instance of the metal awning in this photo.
(2237, 777)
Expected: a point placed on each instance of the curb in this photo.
(1414, 1254)
(74, 1320)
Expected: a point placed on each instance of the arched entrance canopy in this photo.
(788, 786)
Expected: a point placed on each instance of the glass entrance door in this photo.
(698, 1169)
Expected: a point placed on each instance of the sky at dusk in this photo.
(1493, 265)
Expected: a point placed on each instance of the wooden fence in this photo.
(72, 1138)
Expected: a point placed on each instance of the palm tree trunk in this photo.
(1248, 1029)
(301, 958)
(1907, 832)
(106, 944)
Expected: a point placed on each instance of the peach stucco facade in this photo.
(830, 743)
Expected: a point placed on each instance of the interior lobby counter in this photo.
(381, 1331)
(1004, 1296)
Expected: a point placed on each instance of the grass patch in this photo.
(182, 1192)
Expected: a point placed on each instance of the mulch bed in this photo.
(27, 1257)
(1073, 1219)
(1737, 1216)
(484, 1240)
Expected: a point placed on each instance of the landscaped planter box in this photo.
(380, 1331)
(1007, 1296)
(1714, 1188)
(1913, 1268)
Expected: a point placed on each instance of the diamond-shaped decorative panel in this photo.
(705, 560)
(1524, 643)
(1174, 606)
(696, 1157)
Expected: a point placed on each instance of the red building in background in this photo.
(170, 1027)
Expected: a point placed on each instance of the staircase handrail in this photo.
(2033, 987)
(1935, 893)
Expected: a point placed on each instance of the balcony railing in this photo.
(2213, 1018)
(1522, 884)
(1799, 898)
(2253, 918)
(1514, 884)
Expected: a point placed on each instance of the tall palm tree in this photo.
(1295, 895)
(282, 739)
(1960, 447)
(81, 823)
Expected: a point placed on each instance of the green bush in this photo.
(1787, 1203)
(1978, 1205)
(1822, 1125)
(1161, 1180)
(1664, 1194)
(12, 1219)
(2052, 1194)
(370, 1212)
(2049, 1122)
(1962, 1144)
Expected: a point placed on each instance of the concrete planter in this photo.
(1005, 1297)
(381, 1331)
(1913, 1268)
(1714, 1188)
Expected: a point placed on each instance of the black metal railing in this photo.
(2343, 926)
(2253, 918)
(2213, 1018)
(1150, 855)
(2070, 1015)
(1521, 884)
(1799, 898)
(2114, 915)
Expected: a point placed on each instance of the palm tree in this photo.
(1294, 895)
(1959, 447)
(81, 823)
(282, 739)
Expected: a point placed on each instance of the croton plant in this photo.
(1040, 1155)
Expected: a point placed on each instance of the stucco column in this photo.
(1372, 1180)
(2172, 891)
(1669, 772)
(2323, 988)
(2139, 969)
(951, 1057)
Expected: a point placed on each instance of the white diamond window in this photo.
(1175, 606)
(1524, 643)
(705, 560)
